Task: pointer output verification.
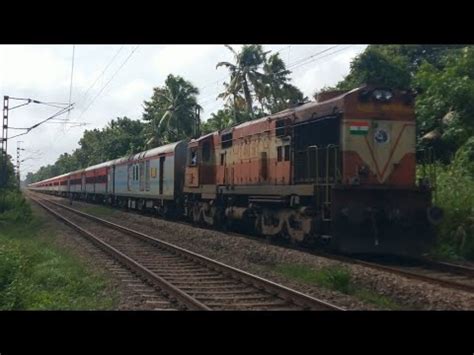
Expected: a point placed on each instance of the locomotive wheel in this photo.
(297, 227)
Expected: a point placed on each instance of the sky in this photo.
(110, 81)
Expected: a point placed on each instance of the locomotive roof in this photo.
(299, 112)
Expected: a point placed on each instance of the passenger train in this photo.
(338, 172)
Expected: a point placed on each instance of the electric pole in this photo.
(3, 173)
(18, 149)
(6, 110)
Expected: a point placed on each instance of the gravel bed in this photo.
(259, 258)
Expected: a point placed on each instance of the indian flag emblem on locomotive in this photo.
(359, 128)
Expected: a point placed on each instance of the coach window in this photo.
(206, 151)
(287, 152)
(280, 129)
(193, 157)
(226, 140)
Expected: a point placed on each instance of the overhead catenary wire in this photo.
(108, 82)
(100, 75)
(72, 75)
(60, 112)
(299, 62)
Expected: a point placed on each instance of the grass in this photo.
(99, 211)
(37, 274)
(335, 278)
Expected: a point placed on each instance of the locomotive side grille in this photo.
(317, 156)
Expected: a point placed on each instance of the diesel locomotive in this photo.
(338, 172)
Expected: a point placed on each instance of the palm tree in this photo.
(277, 92)
(244, 74)
(218, 121)
(172, 110)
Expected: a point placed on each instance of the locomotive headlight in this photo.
(378, 94)
(382, 95)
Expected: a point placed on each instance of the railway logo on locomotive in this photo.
(359, 128)
(381, 136)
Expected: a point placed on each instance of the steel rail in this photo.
(283, 292)
(181, 296)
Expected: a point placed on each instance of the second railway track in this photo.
(190, 281)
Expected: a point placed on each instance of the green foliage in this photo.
(333, 277)
(244, 76)
(277, 94)
(119, 138)
(218, 121)
(99, 211)
(257, 78)
(13, 207)
(336, 278)
(395, 65)
(172, 111)
(375, 66)
(36, 275)
(8, 179)
(446, 102)
(455, 195)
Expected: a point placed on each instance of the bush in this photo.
(455, 195)
(14, 206)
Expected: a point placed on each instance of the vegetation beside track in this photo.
(455, 195)
(336, 278)
(36, 273)
(98, 210)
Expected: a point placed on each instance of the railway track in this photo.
(440, 273)
(189, 280)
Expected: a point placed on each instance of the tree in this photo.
(277, 93)
(257, 78)
(394, 65)
(218, 121)
(124, 136)
(374, 66)
(120, 137)
(172, 111)
(446, 100)
(9, 180)
(66, 163)
(245, 76)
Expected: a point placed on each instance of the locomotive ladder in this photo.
(325, 182)
(428, 169)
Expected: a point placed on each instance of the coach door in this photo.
(129, 176)
(142, 176)
(110, 180)
(161, 179)
(147, 175)
(192, 170)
